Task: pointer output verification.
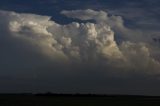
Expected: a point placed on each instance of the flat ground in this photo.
(32, 100)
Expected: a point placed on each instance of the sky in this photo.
(80, 46)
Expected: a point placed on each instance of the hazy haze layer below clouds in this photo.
(76, 57)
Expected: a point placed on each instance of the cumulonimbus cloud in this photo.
(90, 43)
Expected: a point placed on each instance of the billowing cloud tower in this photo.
(35, 48)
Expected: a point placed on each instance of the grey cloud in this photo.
(36, 48)
(79, 42)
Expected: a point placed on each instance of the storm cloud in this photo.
(36, 48)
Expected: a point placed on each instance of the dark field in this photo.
(79, 100)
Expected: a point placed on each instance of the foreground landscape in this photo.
(76, 100)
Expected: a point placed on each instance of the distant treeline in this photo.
(79, 95)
